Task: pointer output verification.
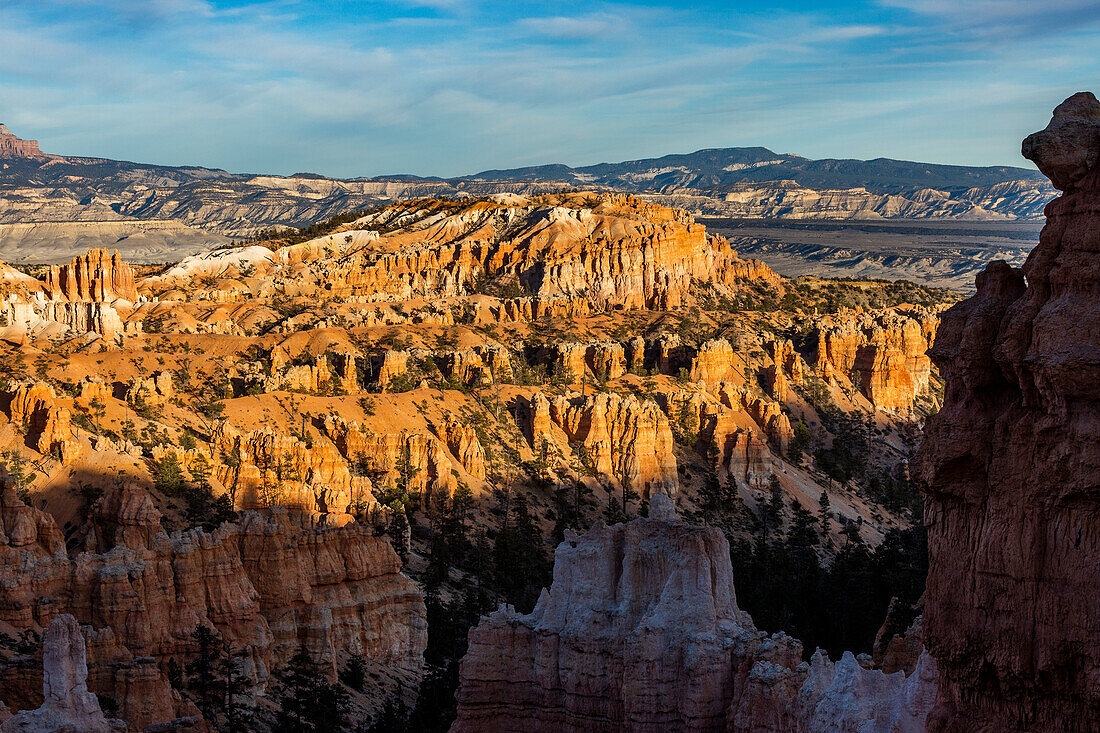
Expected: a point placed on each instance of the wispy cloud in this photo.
(593, 25)
(453, 86)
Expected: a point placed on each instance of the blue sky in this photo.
(445, 87)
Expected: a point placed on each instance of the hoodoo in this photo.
(1011, 466)
(641, 632)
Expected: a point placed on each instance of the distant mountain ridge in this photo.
(212, 205)
(716, 167)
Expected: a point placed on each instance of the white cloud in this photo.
(593, 25)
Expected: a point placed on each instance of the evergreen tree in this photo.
(571, 503)
(354, 672)
(202, 672)
(802, 533)
(613, 514)
(396, 529)
(711, 497)
(824, 513)
(773, 509)
(199, 470)
(168, 475)
(522, 567)
(394, 717)
(234, 682)
(307, 701)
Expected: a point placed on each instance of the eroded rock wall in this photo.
(98, 276)
(270, 585)
(882, 354)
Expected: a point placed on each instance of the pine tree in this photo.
(168, 475)
(801, 533)
(711, 497)
(824, 513)
(234, 682)
(202, 672)
(307, 701)
(522, 566)
(200, 471)
(773, 510)
(354, 673)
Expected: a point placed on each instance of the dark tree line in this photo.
(783, 584)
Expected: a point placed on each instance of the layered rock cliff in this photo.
(640, 631)
(14, 147)
(613, 250)
(98, 276)
(882, 354)
(620, 437)
(91, 294)
(271, 585)
(1012, 471)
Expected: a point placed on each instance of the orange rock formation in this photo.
(270, 585)
(884, 355)
(98, 276)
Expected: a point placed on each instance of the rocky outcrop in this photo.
(601, 360)
(462, 441)
(263, 468)
(420, 461)
(622, 437)
(393, 364)
(715, 362)
(98, 276)
(38, 315)
(270, 585)
(14, 147)
(156, 389)
(68, 706)
(788, 367)
(1010, 467)
(882, 354)
(47, 424)
(530, 309)
(741, 432)
(640, 631)
(610, 250)
(482, 365)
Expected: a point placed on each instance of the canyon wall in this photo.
(272, 584)
(1011, 468)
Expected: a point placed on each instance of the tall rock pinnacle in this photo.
(1011, 467)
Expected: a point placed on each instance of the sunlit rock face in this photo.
(1011, 467)
(640, 631)
(98, 276)
(882, 354)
